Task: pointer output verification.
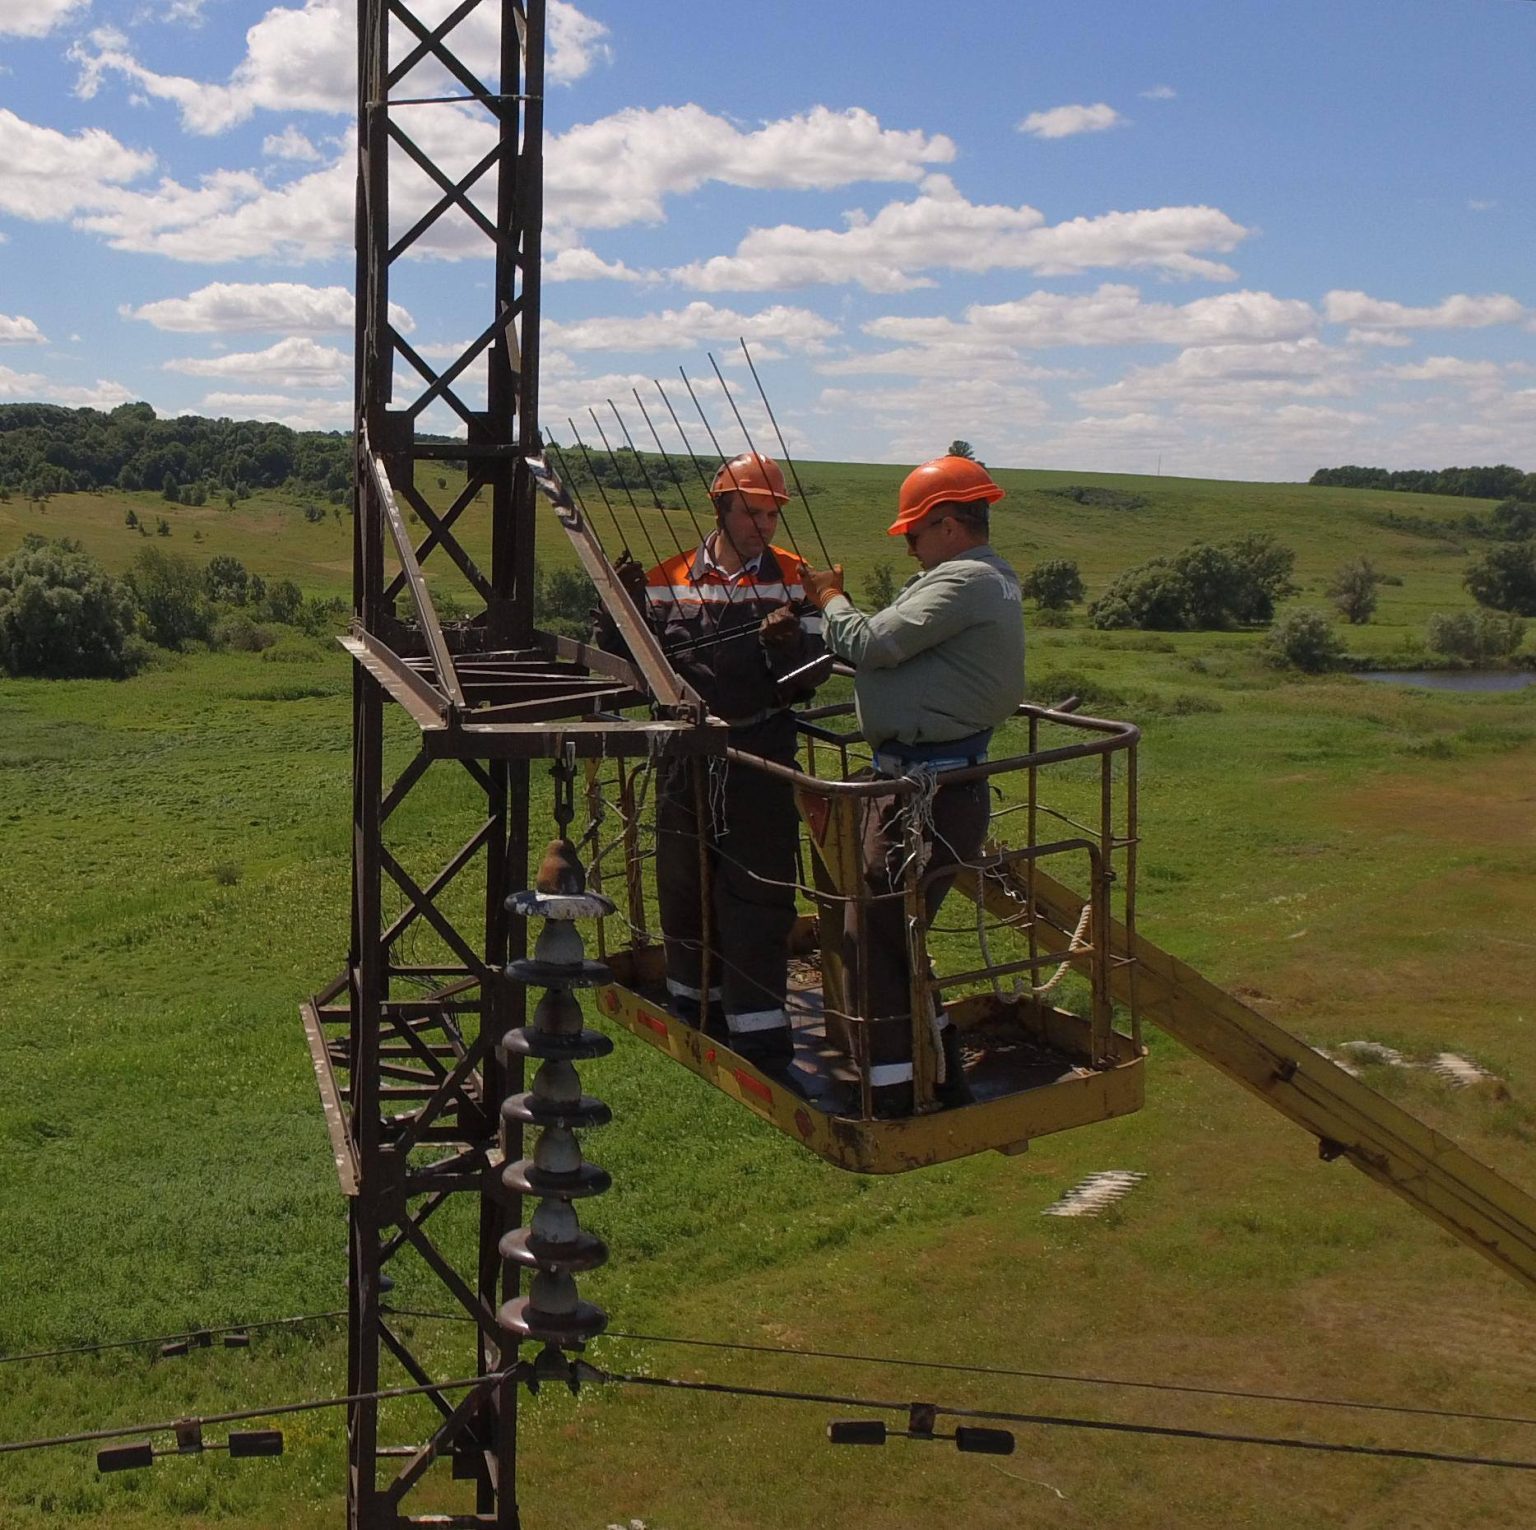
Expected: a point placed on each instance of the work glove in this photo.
(822, 585)
(632, 578)
(779, 631)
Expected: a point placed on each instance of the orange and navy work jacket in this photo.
(707, 622)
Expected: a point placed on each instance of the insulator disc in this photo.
(537, 905)
(583, 974)
(524, 1246)
(525, 1177)
(521, 1317)
(531, 1110)
(525, 1041)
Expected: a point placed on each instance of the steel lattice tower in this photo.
(408, 1052)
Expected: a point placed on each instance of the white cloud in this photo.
(1458, 311)
(620, 169)
(1067, 121)
(287, 307)
(1386, 337)
(34, 386)
(21, 385)
(296, 413)
(1114, 314)
(696, 324)
(291, 363)
(35, 18)
(575, 43)
(290, 144)
(579, 264)
(1452, 369)
(45, 174)
(305, 59)
(941, 229)
(233, 216)
(1218, 380)
(19, 330)
(608, 173)
(101, 394)
(917, 423)
(1481, 204)
(1160, 93)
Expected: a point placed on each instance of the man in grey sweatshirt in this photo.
(938, 670)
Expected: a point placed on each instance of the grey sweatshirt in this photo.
(944, 659)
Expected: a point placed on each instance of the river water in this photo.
(1454, 679)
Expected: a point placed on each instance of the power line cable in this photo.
(775, 1394)
(762, 393)
(1008, 1372)
(1048, 1420)
(190, 1334)
(1076, 1378)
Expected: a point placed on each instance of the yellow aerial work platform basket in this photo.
(1027, 973)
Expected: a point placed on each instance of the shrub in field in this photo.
(881, 583)
(1303, 640)
(1055, 584)
(562, 601)
(226, 580)
(1353, 590)
(62, 616)
(1203, 586)
(1505, 578)
(1154, 596)
(284, 601)
(1476, 636)
(237, 631)
(168, 590)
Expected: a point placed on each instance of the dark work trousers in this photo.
(960, 817)
(748, 826)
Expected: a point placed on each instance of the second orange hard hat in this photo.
(944, 480)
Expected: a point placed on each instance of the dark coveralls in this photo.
(745, 821)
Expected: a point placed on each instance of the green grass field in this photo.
(1356, 859)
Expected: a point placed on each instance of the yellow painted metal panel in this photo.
(882, 1147)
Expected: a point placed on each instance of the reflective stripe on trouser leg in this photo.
(755, 1022)
(683, 991)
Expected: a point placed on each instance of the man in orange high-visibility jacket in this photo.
(733, 617)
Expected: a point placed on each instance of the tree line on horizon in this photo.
(49, 449)
(1498, 482)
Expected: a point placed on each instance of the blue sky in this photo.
(1224, 238)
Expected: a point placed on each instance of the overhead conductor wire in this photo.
(776, 1394)
(570, 483)
(1049, 1420)
(1076, 1378)
(704, 479)
(730, 398)
(794, 473)
(586, 455)
(716, 618)
(714, 440)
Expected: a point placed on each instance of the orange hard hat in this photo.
(754, 476)
(944, 480)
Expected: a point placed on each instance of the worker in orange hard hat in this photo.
(733, 615)
(938, 670)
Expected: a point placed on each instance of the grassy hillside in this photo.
(1357, 860)
(850, 506)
